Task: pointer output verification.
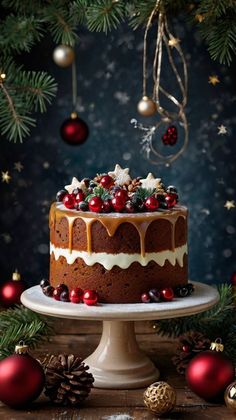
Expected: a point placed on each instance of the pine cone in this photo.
(67, 380)
(190, 344)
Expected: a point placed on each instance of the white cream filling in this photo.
(122, 260)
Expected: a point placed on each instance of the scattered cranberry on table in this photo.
(167, 294)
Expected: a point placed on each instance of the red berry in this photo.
(129, 207)
(167, 294)
(106, 207)
(170, 200)
(90, 297)
(106, 181)
(145, 298)
(57, 293)
(122, 194)
(79, 197)
(118, 203)
(95, 204)
(186, 348)
(69, 201)
(151, 203)
(76, 295)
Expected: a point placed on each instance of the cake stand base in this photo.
(118, 362)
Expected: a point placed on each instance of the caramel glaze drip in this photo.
(140, 221)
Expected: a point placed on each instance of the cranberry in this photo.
(76, 295)
(129, 207)
(170, 200)
(106, 207)
(95, 204)
(145, 298)
(90, 297)
(167, 294)
(117, 203)
(57, 293)
(106, 181)
(122, 194)
(79, 197)
(151, 203)
(69, 201)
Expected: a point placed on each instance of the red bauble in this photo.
(11, 290)
(21, 379)
(74, 131)
(122, 194)
(209, 373)
(96, 204)
(118, 203)
(107, 181)
(167, 294)
(69, 201)
(76, 295)
(90, 297)
(151, 204)
(170, 137)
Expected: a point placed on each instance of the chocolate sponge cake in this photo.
(119, 236)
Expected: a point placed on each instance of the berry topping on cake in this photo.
(117, 192)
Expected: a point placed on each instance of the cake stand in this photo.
(118, 362)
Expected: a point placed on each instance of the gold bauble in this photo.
(160, 398)
(63, 55)
(147, 107)
(230, 396)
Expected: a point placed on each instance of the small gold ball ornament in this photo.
(230, 396)
(160, 398)
(63, 55)
(147, 107)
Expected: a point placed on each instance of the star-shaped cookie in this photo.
(75, 184)
(120, 176)
(150, 182)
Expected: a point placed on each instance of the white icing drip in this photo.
(122, 260)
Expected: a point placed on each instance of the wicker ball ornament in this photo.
(160, 398)
(230, 397)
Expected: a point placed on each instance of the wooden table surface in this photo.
(81, 338)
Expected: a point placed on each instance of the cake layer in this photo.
(122, 260)
(117, 285)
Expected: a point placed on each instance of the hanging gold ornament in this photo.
(63, 55)
(147, 107)
(230, 397)
(170, 106)
(160, 398)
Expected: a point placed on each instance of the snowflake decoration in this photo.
(120, 176)
(75, 184)
(150, 182)
(222, 129)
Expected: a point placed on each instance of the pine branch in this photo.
(21, 324)
(104, 15)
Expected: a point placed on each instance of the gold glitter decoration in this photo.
(230, 397)
(160, 398)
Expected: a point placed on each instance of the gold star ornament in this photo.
(75, 183)
(229, 204)
(150, 182)
(222, 129)
(173, 42)
(213, 80)
(6, 177)
(120, 176)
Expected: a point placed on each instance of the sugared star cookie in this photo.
(120, 176)
(150, 182)
(75, 184)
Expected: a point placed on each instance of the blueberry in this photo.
(60, 195)
(44, 283)
(83, 206)
(136, 201)
(154, 295)
(64, 297)
(48, 291)
(160, 197)
(182, 291)
(92, 184)
(190, 287)
(129, 207)
(163, 205)
(77, 191)
(171, 189)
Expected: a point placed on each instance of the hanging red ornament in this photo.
(210, 372)
(11, 290)
(21, 378)
(170, 137)
(74, 130)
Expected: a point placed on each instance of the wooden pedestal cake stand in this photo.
(118, 362)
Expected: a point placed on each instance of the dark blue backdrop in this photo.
(109, 87)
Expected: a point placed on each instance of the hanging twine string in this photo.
(164, 38)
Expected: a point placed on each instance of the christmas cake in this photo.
(119, 236)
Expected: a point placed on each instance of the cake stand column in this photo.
(118, 361)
